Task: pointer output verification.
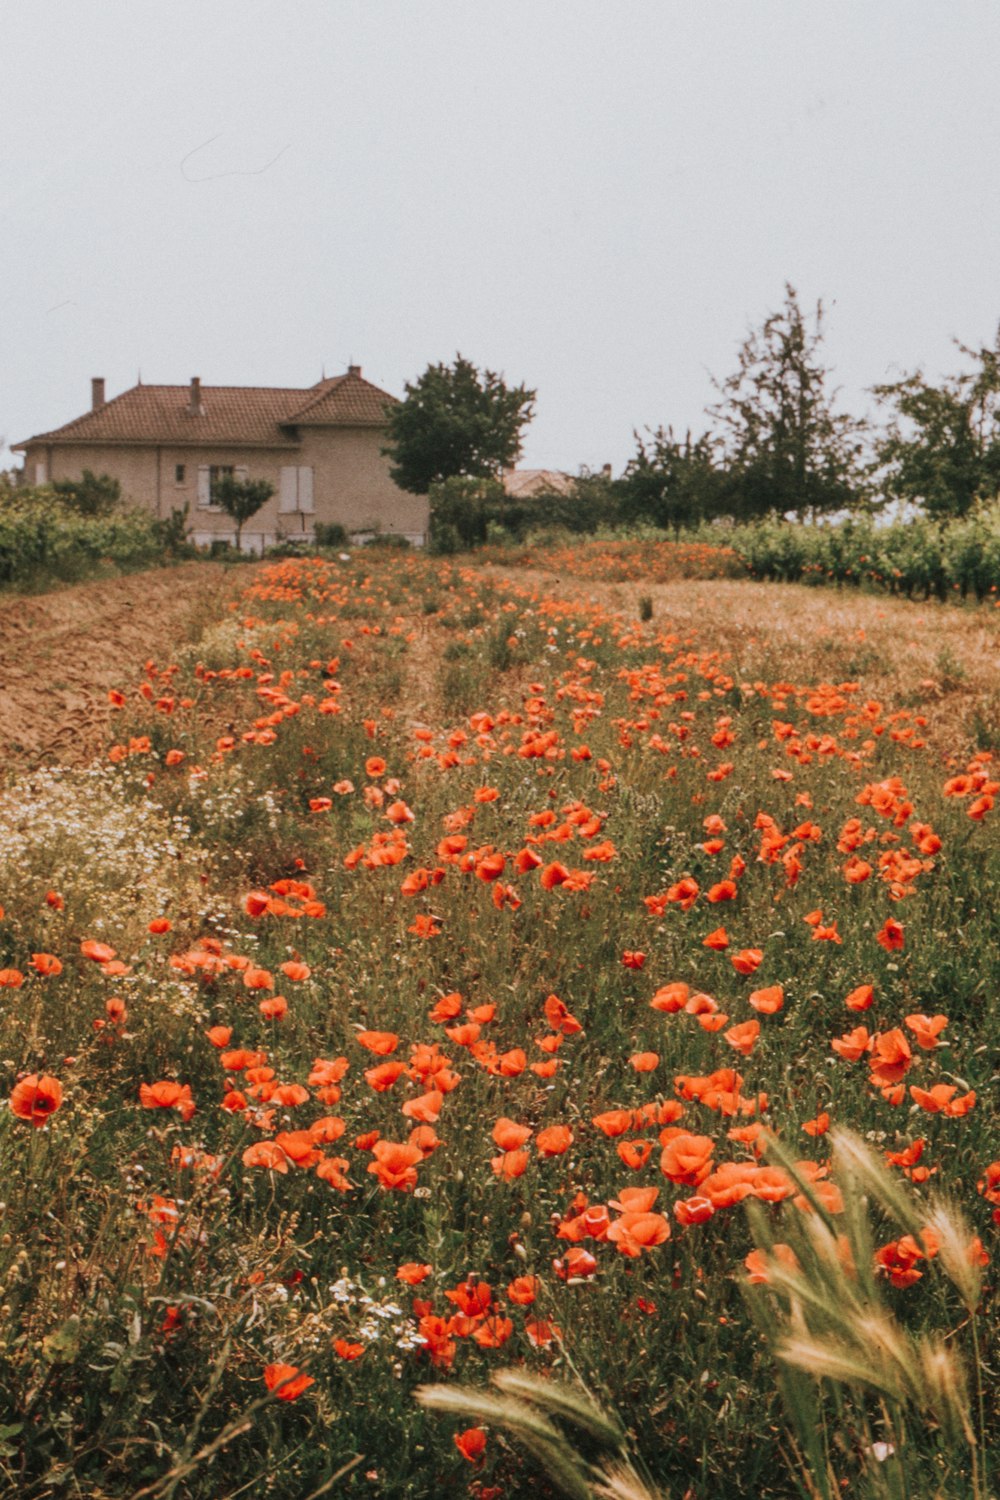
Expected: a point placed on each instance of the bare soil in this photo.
(60, 653)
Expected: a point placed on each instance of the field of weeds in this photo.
(447, 972)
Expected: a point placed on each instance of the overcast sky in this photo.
(596, 199)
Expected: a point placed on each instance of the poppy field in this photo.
(444, 971)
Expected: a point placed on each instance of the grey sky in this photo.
(595, 198)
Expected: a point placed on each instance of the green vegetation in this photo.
(376, 1020)
(46, 537)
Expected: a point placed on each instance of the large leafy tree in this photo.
(786, 448)
(456, 420)
(670, 483)
(941, 450)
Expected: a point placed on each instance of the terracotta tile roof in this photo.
(525, 484)
(250, 416)
(346, 400)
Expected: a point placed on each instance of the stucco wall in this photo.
(351, 483)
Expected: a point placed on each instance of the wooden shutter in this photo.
(241, 472)
(204, 487)
(306, 491)
(288, 490)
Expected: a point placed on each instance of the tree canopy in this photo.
(241, 498)
(456, 420)
(786, 448)
(941, 450)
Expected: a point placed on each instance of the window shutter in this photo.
(288, 490)
(241, 472)
(306, 491)
(204, 487)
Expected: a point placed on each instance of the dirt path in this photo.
(61, 652)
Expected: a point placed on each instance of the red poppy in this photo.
(471, 1444)
(286, 1381)
(36, 1098)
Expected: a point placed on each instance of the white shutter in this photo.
(288, 490)
(204, 487)
(306, 491)
(241, 472)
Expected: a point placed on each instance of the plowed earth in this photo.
(61, 652)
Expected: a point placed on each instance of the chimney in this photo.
(354, 370)
(606, 471)
(194, 406)
(96, 392)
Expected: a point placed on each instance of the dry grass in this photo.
(939, 659)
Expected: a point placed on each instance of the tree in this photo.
(669, 483)
(90, 495)
(241, 498)
(942, 447)
(785, 446)
(456, 421)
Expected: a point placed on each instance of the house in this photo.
(319, 446)
(528, 484)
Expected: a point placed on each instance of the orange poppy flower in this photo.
(725, 890)
(257, 979)
(523, 1290)
(717, 940)
(510, 1164)
(554, 1140)
(331, 1170)
(413, 1272)
(743, 1037)
(891, 1057)
(219, 1036)
(819, 1126)
(510, 1136)
(926, 1030)
(768, 1001)
(747, 960)
(670, 998)
(860, 998)
(471, 1444)
(685, 1157)
(696, 1210)
(35, 1098)
(167, 1095)
(395, 1164)
(613, 1122)
(645, 1062)
(890, 936)
(285, 1381)
(379, 1042)
(273, 1008)
(384, 1076)
(426, 1108)
(853, 1044)
(45, 963)
(100, 953)
(266, 1154)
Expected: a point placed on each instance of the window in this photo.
(295, 494)
(208, 475)
(178, 473)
